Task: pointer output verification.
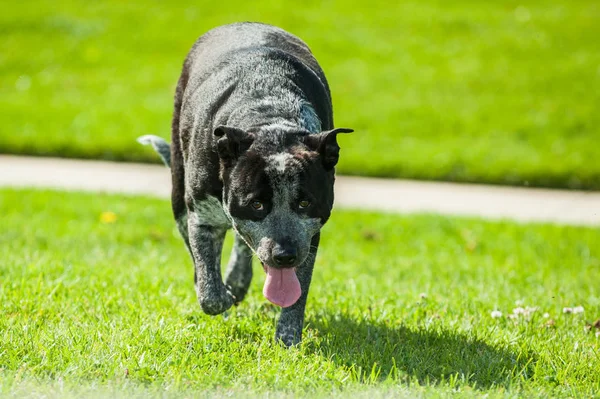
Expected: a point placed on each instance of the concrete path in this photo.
(403, 196)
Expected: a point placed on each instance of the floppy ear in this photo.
(232, 143)
(325, 143)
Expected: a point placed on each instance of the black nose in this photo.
(284, 256)
(284, 260)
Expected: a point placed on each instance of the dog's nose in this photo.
(284, 256)
(284, 260)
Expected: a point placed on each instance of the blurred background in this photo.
(501, 92)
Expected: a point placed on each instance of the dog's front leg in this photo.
(291, 321)
(206, 244)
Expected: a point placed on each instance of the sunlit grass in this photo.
(97, 297)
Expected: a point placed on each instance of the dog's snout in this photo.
(284, 255)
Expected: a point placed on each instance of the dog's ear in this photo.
(232, 143)
(325, 143)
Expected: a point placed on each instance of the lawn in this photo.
(97, 297)
(499, 91)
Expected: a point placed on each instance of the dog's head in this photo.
(278, 189)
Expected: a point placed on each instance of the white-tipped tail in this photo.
(160, 146)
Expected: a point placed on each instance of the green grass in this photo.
(497, 91)
(109, 308)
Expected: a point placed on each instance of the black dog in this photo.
(253, 148)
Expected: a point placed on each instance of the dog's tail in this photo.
(160, 145)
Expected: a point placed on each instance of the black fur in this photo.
(252, 148)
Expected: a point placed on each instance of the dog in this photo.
(254, 149)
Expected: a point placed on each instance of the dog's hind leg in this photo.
(291, 321)
(182, 226)
(239, 269)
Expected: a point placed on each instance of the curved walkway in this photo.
(403, 196)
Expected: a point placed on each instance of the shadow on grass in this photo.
(377, 351)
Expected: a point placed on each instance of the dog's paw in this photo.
(288, 336)
(238, 293)
(217, 302)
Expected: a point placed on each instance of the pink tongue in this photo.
(282, 286)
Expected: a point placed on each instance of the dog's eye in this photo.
(304, 204)
(257, 205)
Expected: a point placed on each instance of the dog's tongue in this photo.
(282, 286)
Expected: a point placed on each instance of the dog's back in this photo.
(226, 44)
(249, 61)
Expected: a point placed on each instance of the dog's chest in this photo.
(209, 211)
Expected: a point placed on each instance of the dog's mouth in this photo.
(282, 286)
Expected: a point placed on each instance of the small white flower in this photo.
(531, 309)
(546, 315)
(519, 302)
(597, 334)
(567, 310)
(518, 311)
(578, 309)
(496, 314)
(422, 295)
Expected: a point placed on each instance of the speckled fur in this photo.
(250, 107)
(282, 223)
